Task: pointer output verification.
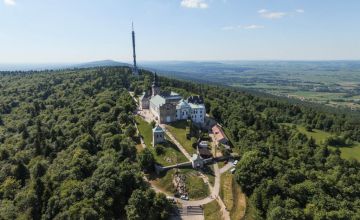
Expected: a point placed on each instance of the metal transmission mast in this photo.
(135, 69)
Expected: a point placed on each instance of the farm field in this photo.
(332, 83)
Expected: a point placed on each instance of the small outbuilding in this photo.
(145, 100)
(158, 135)
(204, 152)
(219, 134)
(203, 144)
(197, 161)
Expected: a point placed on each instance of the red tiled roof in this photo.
(218, 132)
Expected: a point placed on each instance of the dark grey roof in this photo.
(145, 95)
(196, 99)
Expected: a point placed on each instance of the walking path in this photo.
(181, 148)
(213, 189)
(227, 167)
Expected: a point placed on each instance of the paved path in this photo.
(181, 148)
(227, 167)
(213, 189)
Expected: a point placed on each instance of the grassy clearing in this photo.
(347, 152)
(209, 172)
(234, 199)
(197, 189)
(178, 130)
(172, 155)
(350, 152)
(145, 130)
(163, 181)
(318, 135)
(212, 211)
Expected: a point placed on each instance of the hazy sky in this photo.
(44, 31)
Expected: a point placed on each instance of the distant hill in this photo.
(59, 66)
(101, 63)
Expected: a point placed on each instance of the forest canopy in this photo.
(67, 149)
(65, 152)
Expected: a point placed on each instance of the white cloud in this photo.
(245, 27)
(271, 15)
(194, 4)
(253, 26)
(10, 2)
(300, 11)
(262, 11)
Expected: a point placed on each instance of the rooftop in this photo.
(157, 100)
(196, 157)
(158, 129)
(145, 95)
(182, 104)
(196, 99)
(218, 132)
(192, 105)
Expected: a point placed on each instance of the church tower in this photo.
(135, 69)
(155, 86)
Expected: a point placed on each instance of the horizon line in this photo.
(177, 60)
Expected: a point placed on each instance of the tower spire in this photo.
(155, 88)
(135, 69)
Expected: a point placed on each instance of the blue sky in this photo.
(42, 31)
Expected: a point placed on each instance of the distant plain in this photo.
(332, 83)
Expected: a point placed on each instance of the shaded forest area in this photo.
(67, 149)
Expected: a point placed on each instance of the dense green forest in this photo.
(285, 174)
(67, 149)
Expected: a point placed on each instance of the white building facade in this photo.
(195, 112)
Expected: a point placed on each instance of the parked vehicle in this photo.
(183, 197)
(232, 170)
(236, 162)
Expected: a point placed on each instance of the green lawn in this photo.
(212, 211)
(178, 130)
(350, 152)
(197, 189)
(347, 152)
(172, 155)
(164, 181)
(145, 130)
(318, 135)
